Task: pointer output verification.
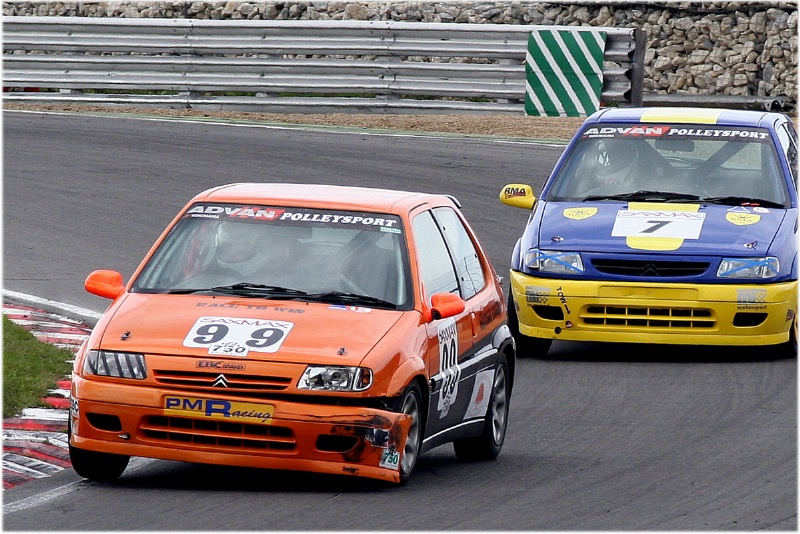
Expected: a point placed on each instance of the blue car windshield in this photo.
(681, 162)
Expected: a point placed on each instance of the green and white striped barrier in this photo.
(564, 72)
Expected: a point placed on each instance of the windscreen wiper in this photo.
(645, 195)
(349, 298)
(246, 289)
(743, 201)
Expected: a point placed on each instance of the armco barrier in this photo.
(284, 66)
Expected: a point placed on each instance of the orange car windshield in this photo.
(302, 251)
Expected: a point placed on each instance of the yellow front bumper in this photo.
(683, 314)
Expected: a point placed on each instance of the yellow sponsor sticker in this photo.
(682, 115)
(219, 409)
(577, 214)
(742, 219)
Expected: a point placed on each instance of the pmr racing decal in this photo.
(218, 409)
(233, 336)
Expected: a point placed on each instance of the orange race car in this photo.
(305, 327)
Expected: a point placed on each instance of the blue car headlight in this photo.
(748, 267)
(115, 364)
(556, 262)
(335, 378)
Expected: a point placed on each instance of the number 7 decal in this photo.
(656, 226)
(657, 223)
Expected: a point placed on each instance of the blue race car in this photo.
(662, 225)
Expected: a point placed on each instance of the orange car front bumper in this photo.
(224, 430)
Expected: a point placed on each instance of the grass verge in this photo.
(30, 368)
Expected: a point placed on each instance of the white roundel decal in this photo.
(232, 336)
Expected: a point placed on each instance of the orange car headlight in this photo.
(115, 364)
(335, 378)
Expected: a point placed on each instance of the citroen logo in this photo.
(220, 381)
(650, 270)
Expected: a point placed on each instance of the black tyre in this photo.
(526, 346)
(411, 404)
(487, 446)
(98, 466)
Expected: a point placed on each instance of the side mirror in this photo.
(518, 196)
(104, 283)
(444, 305)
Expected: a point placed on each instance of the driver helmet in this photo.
(615, 159)
(237, 246)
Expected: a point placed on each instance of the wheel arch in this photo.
(503, 341)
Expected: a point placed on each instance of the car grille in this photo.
(658, 269)
(647, 317)
(232, 383)
(181, 430)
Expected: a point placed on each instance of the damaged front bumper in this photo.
(155, 423)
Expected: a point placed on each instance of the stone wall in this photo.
(731, 48)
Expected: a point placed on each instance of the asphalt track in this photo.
(601, 437)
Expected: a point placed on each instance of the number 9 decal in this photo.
(233, 336)
(210, 333)
(264, 337)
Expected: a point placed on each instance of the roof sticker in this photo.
(681, 115)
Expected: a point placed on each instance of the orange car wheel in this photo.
(411, 405)
(98, 466)
(487, 446)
